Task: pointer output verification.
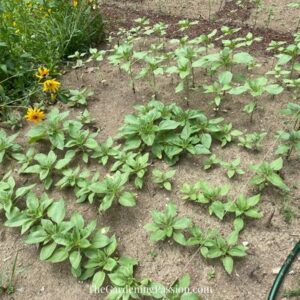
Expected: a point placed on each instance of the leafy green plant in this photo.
(290, 141)
(267, 173)
(124, 282)
(224, 248)
(82, 140)
(252, 141)
(179, 290)
(7, 278)
(35, 210)
(233, 168)
(245, 206)
(220, 87)
(123, 57)
(167, 225)
(202, 192)
(162, 178)
(64, 27)
(7, 146)
(211, 162)
(46, 164)
(112, 188)
(52, 129)
(103, 151)
(153, 68)
(293, 110)
(136, 166)
(25, 159)
(79, 97)
(256, 87)
(83, 190)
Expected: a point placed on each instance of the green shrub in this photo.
(41, 33)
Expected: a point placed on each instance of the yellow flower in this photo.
(75, 3)
(34, 115)
(42, 73)
(51, 85)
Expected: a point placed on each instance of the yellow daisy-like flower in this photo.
(35, 115)
(42, 73)
(75, 3)
(51, 86)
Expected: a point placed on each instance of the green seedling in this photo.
(79, 97)
(105, 150)
(121, 157)
(202, 192)
(226, 134)
(111, 189)
(25, 159)
(83, 190)
(290, 141)
(96, 55)
(35, 210)
(137, 166)
(71, 178)
(8, 194)
(225, 249)
(7, 146)
(267, 173)
(244, 206)
(8, 277)
(123, 57)
(81, 140)
(220, 87)
(167, 225)
(256, 88)
(179, 290)
(252, 141)
(233, 168)
(52, 129)
(163, 178)
(85, 118)
(152, 69)
(46, 164)
(211, 162)
(125, 284)
(293, 110)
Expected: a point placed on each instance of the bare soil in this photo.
(269, 243)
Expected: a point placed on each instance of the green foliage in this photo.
(51, 129)
(290, 140)
(7, 278)
(112, 188)
(81, 140)
(293, 110)
(252, 141)
(137, 167)
(41, 33)
(167, 225)
(105, 150)
(245, 206)
(170, 131)
(267, 173)
(211, 162)
(7, 146)
(162, 178)
(79, 97)
(202, 192)
(220, 87)
(225, 249)
(46, 164)
(233, 168)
